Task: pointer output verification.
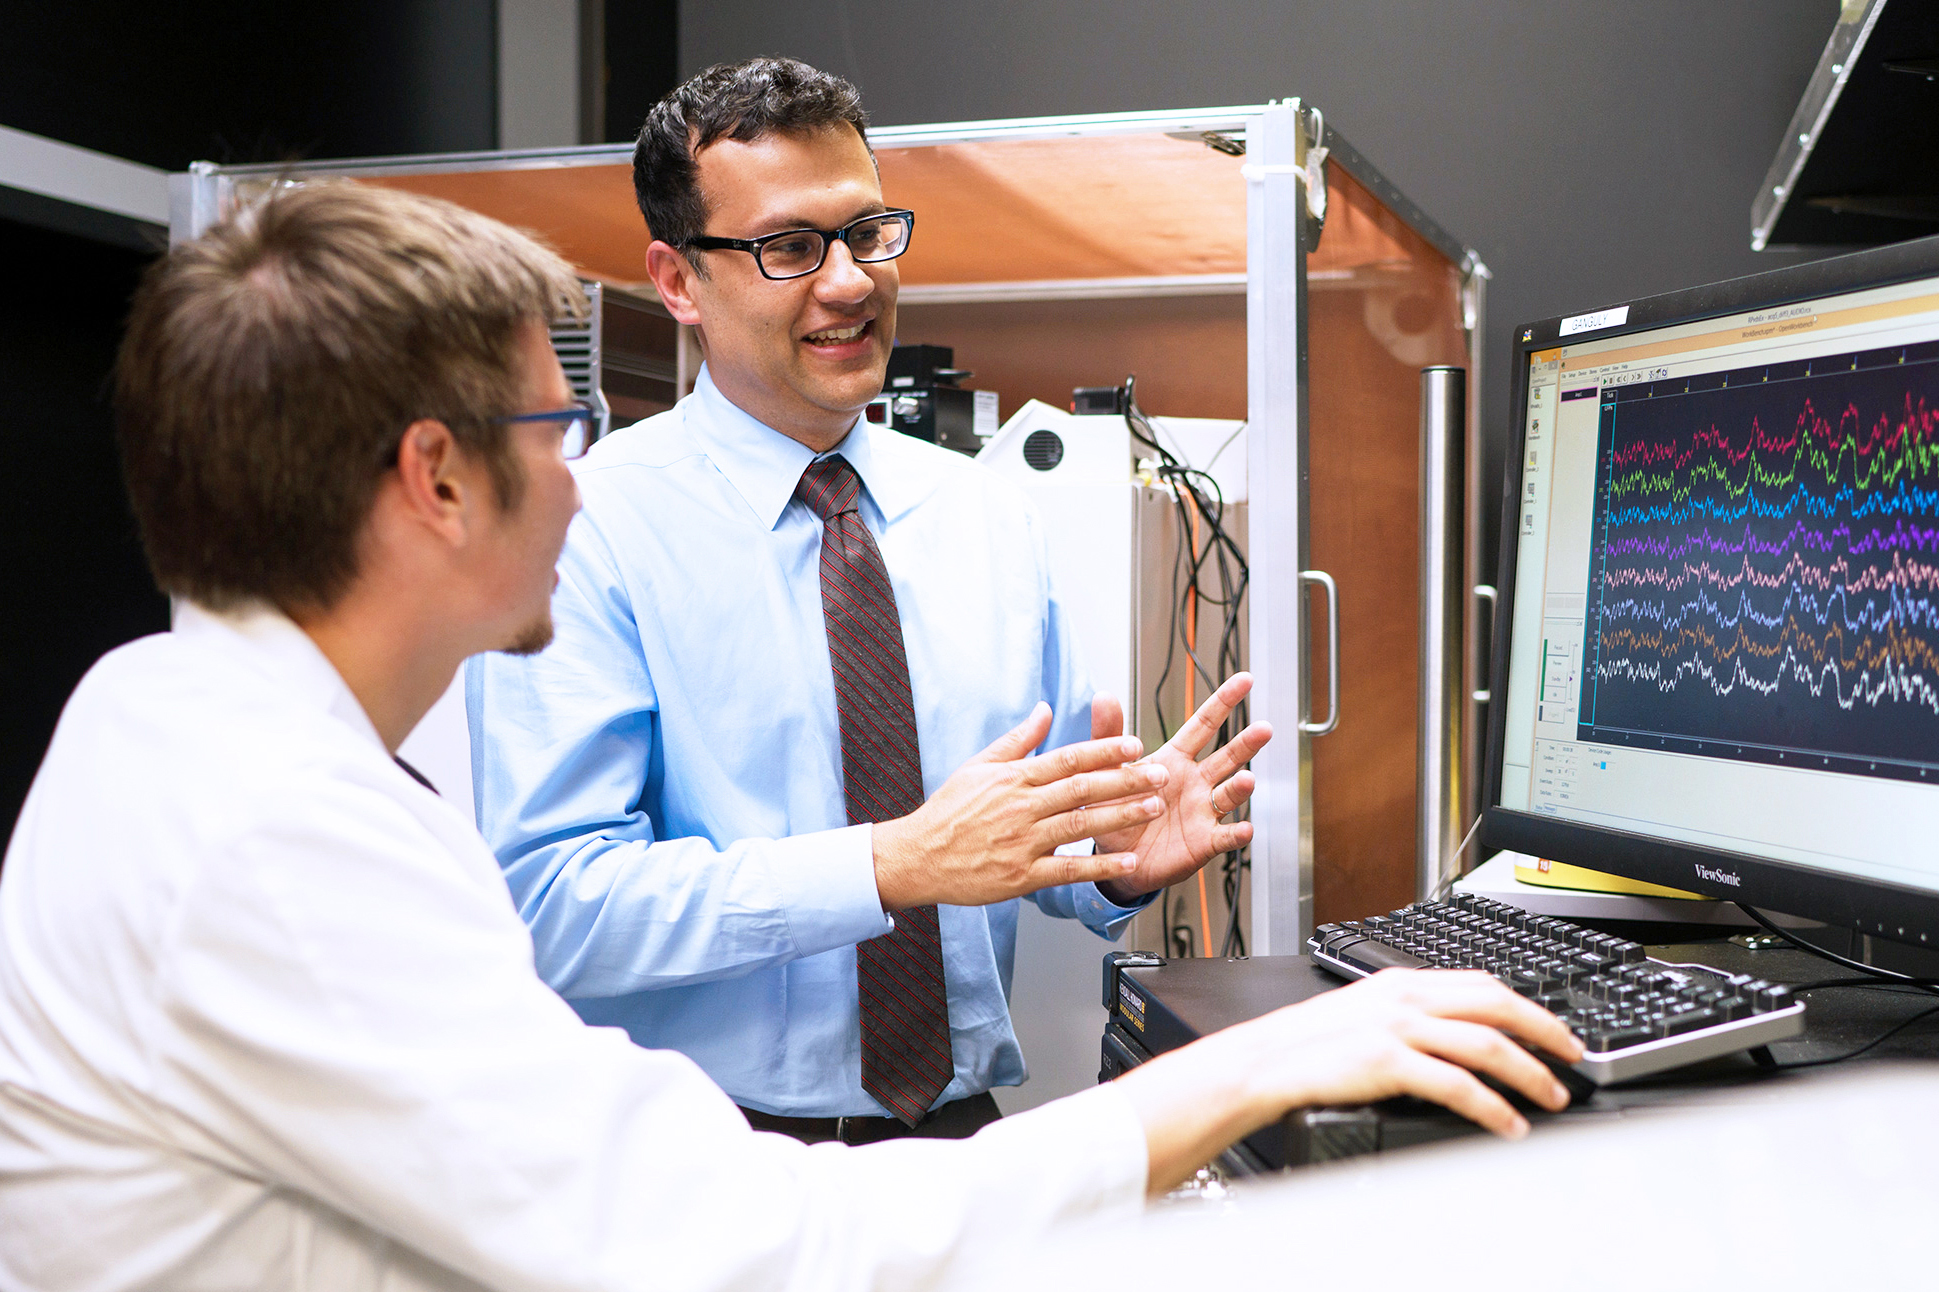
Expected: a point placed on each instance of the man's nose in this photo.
(840, 279)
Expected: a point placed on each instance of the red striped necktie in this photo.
(905, 1009)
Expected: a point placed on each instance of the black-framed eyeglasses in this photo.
(796, 253)
(576, 423)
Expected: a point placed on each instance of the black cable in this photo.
(1876, 984)
(1196, 491)
(1878, 1040)
(1857, 966)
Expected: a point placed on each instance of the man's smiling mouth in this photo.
(837, 336)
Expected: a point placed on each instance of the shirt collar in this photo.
(764, 465)
(270, 640)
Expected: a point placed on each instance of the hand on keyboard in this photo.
(1403, 1032)
(1424, 1034)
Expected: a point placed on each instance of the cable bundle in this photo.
(1201, 507)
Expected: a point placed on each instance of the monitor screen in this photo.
(1721, 593)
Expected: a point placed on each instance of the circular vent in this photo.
(1043, 449)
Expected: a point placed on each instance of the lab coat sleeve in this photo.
(350, 1010)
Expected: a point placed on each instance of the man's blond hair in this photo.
(271, 366)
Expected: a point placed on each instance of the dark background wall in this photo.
(227, 81)
(234, 81)
(1591, 152)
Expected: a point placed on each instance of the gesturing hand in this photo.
(989, 833)
(1197, 795)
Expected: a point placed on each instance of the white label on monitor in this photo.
(1594, 322)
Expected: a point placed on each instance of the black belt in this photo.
(958, 1119)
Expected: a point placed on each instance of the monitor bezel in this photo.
(1876, 907)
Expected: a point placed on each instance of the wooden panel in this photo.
(1371, 329)
(1116, 206)
(995, 211)
(1189, 353)
(586, 213)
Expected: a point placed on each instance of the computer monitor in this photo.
(1717, 661)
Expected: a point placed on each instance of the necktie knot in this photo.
(829, 487)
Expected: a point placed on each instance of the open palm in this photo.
(1198, 795)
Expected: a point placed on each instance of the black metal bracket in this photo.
(1116, 960)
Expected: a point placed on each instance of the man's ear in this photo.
(436, 487)
(673, 275)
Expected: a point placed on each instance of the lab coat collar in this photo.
(263, 637)
(764, 465)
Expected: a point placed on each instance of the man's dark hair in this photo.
(739, 101)
(272, 365)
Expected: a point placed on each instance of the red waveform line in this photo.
(1884, 436)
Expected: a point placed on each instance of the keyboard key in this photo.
(1618, 1038)
(1689, 1020)
(1370, 956)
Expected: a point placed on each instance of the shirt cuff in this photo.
(826, 887)
(1101, 913)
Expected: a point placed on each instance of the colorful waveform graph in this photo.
(1765, 565)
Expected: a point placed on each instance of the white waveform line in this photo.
(1900, 685)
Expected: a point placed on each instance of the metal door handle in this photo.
(1486, 592)
(1325, 580)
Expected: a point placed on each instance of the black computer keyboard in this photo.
(1635, 1016)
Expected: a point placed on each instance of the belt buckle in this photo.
(841, 1129)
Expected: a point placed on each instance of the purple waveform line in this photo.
(1901, 537)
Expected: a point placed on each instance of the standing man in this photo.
(728, 801)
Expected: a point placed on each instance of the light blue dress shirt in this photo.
(663, 785)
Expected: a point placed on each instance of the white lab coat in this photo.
(269, 1019)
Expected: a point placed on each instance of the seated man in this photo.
(741, 831)
(267, 1016)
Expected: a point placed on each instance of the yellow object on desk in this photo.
(1559, 874)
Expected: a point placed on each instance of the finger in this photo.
(1085, 756)
(1088, 868)
(1090, 822)
(1456, 1089)
(1107, 716)
(1480, 1048)
(1092, 789)
(1231, 838)
(1020, 739)
(1236, 752)
(1478, 998)
(1203, 725)
(1227, 798)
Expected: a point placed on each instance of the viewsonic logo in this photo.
(1720, 877)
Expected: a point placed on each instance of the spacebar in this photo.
(1372, 957)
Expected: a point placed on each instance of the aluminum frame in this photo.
(1276, 540)
(1855, 23)
(1441, 768)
